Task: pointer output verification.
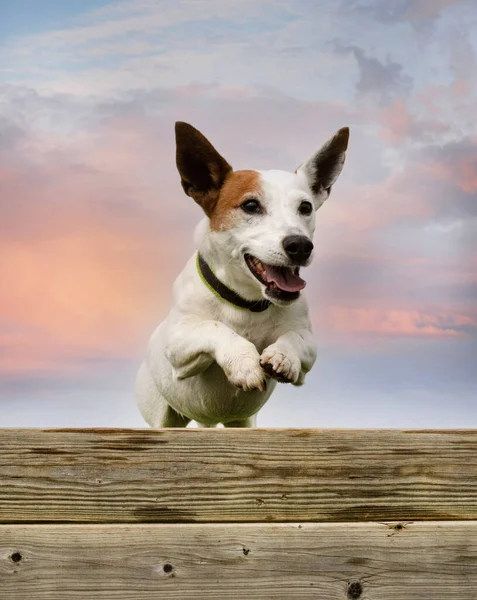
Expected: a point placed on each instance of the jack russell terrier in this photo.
(239, 322)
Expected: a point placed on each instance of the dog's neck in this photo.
(229, 269)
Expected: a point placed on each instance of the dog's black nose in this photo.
(298, 248)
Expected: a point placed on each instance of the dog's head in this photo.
(263, 220)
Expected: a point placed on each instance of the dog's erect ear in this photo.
(323, 168)
(202, 169)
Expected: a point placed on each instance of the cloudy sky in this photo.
(94, 225)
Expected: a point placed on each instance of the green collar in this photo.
(225, 293)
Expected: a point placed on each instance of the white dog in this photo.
(239, 323)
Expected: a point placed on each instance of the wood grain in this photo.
(394, 561)
(94, 476)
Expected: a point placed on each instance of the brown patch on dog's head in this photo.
(238, 184)
(202, 169)
(209, 179)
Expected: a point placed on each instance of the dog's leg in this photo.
(290, 358)
(250, 422)
(153, 406)
(195, 344)
(168, 417)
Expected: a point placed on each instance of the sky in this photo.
(94, 226)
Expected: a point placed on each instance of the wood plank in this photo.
(236, 475)
(413, 561)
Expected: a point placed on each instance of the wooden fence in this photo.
(238, 514)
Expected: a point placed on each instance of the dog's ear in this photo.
(202, 169)
(324, 167)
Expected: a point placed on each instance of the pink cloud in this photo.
(395, 323)
(461, 88)
(396, 121)
(430, 97)
(467, 174)
(370, 207)
(400, 123)
(459, 170)
(94, 292)
(85, 257)
(420, 10)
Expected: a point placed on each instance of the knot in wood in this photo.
(16, 557)
(355, 589)
(168, 568)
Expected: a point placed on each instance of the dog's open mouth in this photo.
(283, 283)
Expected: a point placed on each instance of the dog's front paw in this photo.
(244, 371)
(276, 364)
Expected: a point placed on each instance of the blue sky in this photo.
(24, 17)
(91, 202)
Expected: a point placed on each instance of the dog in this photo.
(239, 322)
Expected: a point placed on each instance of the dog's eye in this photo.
(251, 207)
(305, 208)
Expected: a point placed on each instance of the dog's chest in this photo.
(259, 328)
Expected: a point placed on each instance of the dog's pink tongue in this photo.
(285, 279)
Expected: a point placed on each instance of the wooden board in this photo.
(236, 475)
(412, 561)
